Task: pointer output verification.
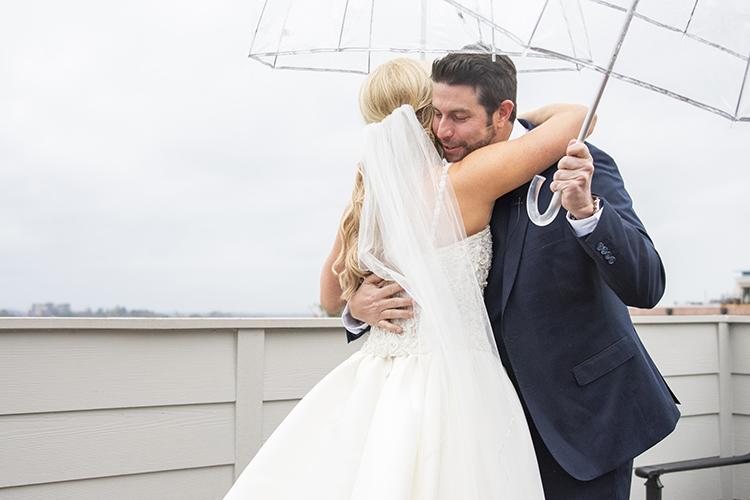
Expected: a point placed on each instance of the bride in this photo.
(427, 414)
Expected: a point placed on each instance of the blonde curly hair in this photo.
(387, 88)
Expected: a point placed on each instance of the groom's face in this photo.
(461, 123)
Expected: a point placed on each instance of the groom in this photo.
(557, 298)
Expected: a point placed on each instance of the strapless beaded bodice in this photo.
(384, 343)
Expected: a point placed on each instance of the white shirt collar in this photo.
(518, 130)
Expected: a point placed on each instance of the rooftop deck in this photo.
(175, 408)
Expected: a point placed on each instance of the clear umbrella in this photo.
(353, 36)
(696, 51)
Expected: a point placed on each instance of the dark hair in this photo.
(493, 81)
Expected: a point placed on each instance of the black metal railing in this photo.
(652, 473)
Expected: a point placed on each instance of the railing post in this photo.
(726, 422)
(653, 488)
(248, 396)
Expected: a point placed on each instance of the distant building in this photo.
(38, 310)
(49, 309)
(742, 288)
(739, 305)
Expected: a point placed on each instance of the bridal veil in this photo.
(411, 232)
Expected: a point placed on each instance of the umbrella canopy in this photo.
(696, 51)
(353, 36)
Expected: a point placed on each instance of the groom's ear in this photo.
(502, 114)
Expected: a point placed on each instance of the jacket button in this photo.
(600, 246)
(611, 259)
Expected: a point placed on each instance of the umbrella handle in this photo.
(532, 207)
(532, 197)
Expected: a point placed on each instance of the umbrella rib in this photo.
(352, 49)
(539, 20)
(692, 37)
(690, 19)
(644, 85)
(679, 97)
(547, 70)
(423, 30)
(305, 68)
(257, 27)
(570, 32)
(585, 32)
(281, 37)
(742, 89)
(369, 36)
(479, 31)
(672, 28)
(492, 32)
(490, 23)
(610, 5)
(343, 21)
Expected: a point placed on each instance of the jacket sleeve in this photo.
(354, 328)
(620, 246)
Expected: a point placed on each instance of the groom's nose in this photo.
(443, 130)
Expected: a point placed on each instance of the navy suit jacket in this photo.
(558, 307)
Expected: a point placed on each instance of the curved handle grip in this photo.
(531, 203)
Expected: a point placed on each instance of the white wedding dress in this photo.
(407, 418)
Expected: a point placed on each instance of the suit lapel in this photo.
(518, 221)
(517, 224)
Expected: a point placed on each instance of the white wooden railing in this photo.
(175, 408)
(706, 361)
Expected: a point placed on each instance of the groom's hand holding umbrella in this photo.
(573, 178)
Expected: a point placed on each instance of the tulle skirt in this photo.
(379, 428)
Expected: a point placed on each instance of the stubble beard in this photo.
(489, 136)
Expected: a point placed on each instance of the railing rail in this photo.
(653, 473)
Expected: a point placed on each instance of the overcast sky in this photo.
(146, 163)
